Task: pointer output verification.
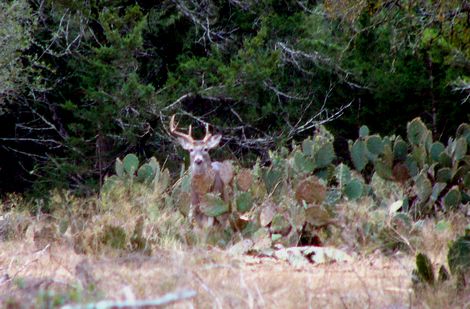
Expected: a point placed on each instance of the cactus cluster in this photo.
(438, 174)
(458, 259)
(296, 194)
(129, 170)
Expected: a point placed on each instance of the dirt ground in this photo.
(219, 279)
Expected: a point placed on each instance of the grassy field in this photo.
(36, 271)
(221, 280)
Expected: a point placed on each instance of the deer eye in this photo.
(191, 150)
(205, 149)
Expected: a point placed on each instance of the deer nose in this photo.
(198, 161)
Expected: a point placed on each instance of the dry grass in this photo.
(220, 280)
(49, 268)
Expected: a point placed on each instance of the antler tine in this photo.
(175, 132)
(208, 133)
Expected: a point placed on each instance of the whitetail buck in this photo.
(206, 176)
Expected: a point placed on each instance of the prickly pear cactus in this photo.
(131, 163)
(324, 156)
(424, 269)
(400, 149)
(119, 167)
(244, 202)
(375, 145)
(416, 131)
(310, 190)
(145, 173)
(458, 256)
(453, 198)
(358, 155)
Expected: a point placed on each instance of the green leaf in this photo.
(272, 177)
(302, 163)
(445, 160)
(213, 206)
(145, 173)
(412, 166)
(375, 144)
(436, 149)
(416, 131)
(453, 198)
(325, 155)
(358, 155)
(436, 190)
(342, 174)
(458, 256)
(307, 147)
(119, 167)
(464, 131)
(425, 269)
(363, 131)
(280, 225)
(400, 149)
(444, 175)
(244, 202)
(460, 149)
(442, 226)
(423, 187)
(383, 170)
(354, 189)
(131, 163)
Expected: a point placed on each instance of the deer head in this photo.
(198, 149)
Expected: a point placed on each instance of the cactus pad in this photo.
(423, 187)
(416, 131)
(458, 256)
(310, 190)
(424, 268)
(363, 131)
(131, 163)
(358, 155)
(353, 190)
(119, 167)
(145, 173)
(453, 198)
(213, 206)
(400, 149)
(244, 179)
(244, 202)
(375, 144)
(325, 155)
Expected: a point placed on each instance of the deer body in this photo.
(206, 176)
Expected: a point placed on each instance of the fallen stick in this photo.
(162, 301)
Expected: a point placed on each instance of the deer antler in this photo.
(208, 134)
(175, 132)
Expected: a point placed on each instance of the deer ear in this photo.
(214, 141)
(185, 144)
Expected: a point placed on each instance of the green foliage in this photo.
(354, 189)
(374, 144)
(437, 173)
(324, 156)
(416, 131)
(130, 164)
(17, 24)
(244, 202)
(458, 256)
(424, 268)
(214, 206)
(358, 155)
(453, 198)
(106, 84)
